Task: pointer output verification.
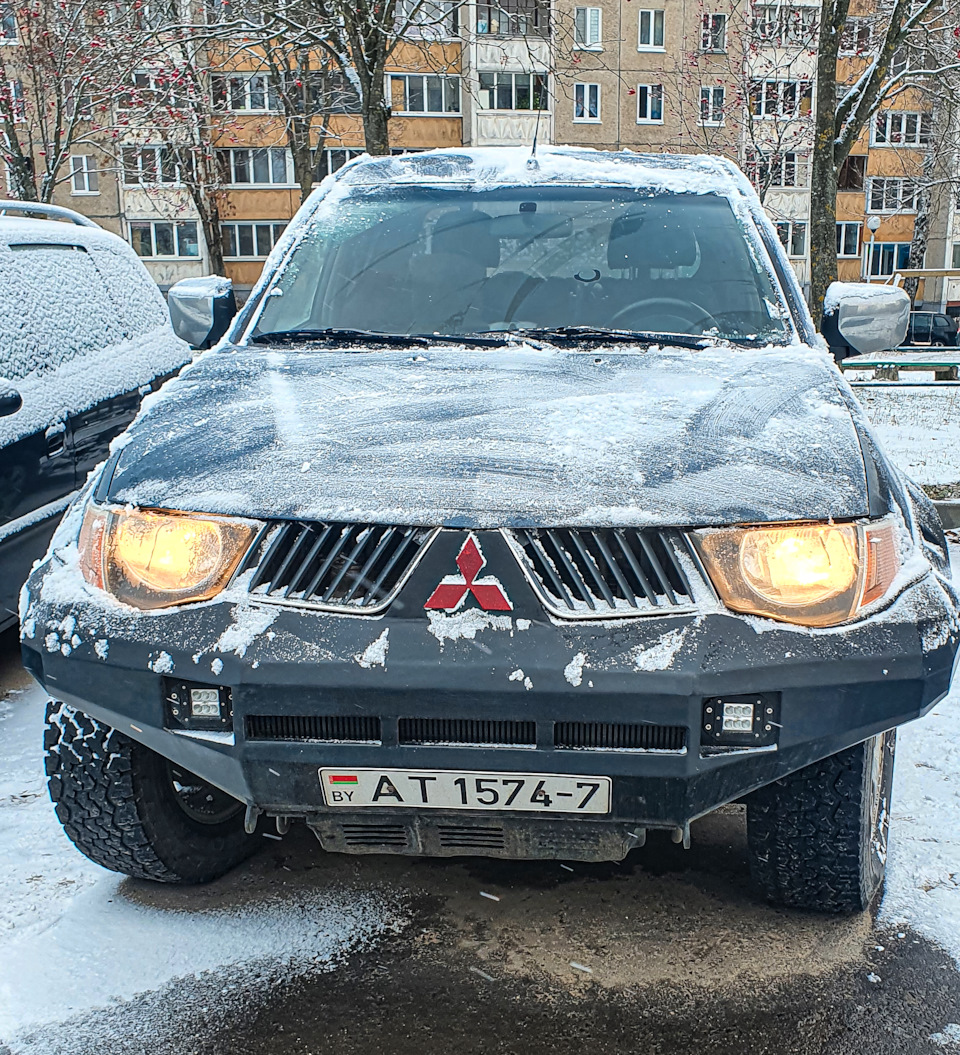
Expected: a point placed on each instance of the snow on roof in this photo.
(697, 174)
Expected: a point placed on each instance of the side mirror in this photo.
(201, 309)
(864, 317)
(10, 399)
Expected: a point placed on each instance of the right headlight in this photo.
(154, 559)
(812, 574)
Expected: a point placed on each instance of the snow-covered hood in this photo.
(511, 436)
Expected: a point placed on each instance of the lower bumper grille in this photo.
(387, 835)
(466, 838)
(467, 731)
(335, 728)
(601, 736)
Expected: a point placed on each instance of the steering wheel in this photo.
(684, 315)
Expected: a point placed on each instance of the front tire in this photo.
(817, 839)
(132, 811)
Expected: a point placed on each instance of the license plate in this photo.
(444, 789)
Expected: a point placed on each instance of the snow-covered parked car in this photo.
(521, 512)
(84, 332)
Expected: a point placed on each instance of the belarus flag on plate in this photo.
(342, 778)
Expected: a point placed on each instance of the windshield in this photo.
(427, 260)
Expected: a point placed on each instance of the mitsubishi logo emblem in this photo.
(453, 589)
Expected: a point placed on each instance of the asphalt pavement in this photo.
(668, 952)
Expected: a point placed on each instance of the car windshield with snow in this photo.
(520, 511)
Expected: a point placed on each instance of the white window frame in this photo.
(84, 166)
(874, 251)
(789, 244)
(709, 32)
(801, 87)
(541, 74)
(176, 225)
(250, 152)
(248, 85)
(585, 89)
(844, 228)
(15, 88)
(854, 24)
(883, 130)
(148, 175)
(448, 84)
(277, 228)
(896, 195)
(654, 15)
(588, 28)
(712, 115)
(8, 17)
(955, 257)
(648, 94)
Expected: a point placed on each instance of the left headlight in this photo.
(810, 574)
(154, 559)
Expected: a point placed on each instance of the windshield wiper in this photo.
(575, 334)
(479, 340)
(332, 333)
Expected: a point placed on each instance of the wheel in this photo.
(131, 810)
(817, 839)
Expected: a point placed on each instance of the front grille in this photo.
(585, 573)
(353, 566)
(467, 731)
(452, 835)
(602, 736)
(333, 728)
(374, 834)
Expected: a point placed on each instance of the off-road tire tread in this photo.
(804, 837)
(90, 771)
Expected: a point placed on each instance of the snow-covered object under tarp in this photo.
(485, 437)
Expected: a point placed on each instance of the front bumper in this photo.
(834, 688)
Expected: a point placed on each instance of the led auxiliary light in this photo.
(737, 718)
(205, 703)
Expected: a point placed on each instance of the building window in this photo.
(713, 33)
(711, 106)
(793, 236)
(333, 158)
(956, 254)
(848, 239)
(146, 89)
(586, 102)
(153, 238)
(884, 258)
(428, 19)
(532, 20)
(782, 25)
(891, 194)
(776, 170)
(258, 166)
(84, 178)
(650, 34)
(8, 24)
(901, 128)
(415, 93)
(149, 165)
(250, 241)
(13, 100)
(586, 27)
(649, 104)
(513, 91)
(857, 36)
(775, 98)
(245, 92)
(852, 173)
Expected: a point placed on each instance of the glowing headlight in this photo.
(811, 574)
(152, 559)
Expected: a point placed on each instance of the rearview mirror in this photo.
(864, 317)
(10, 399)
(201, 309)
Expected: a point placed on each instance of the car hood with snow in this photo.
(500, 437)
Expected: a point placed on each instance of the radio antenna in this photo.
(532, 162)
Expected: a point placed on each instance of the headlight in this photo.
(811, 574)
(151, 559)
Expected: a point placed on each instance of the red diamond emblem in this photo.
(453, 589)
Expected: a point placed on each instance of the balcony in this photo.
(517, 18)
